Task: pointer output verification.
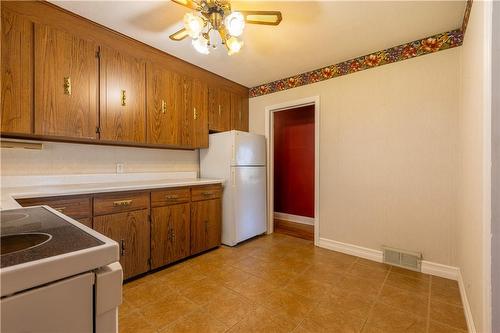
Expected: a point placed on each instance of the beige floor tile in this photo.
(354, 284)
(262, 320)
(134, 323)
(253, 286)
(435, 327)
(334, 322)
(412, 274)
(408, 283)
(309, 287)
(439, 282)
(126, 307)
(230, 308)
(392, 320)
(445, 290)
(448, 314)
(182, 278)
(145, 293)
(289, 305)
(166, 311)
(351, 303)
(415, 303)
(377, 273)
(203, 291)
(373, 264)
(196, 322)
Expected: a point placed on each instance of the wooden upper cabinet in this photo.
(187, 112)
(123, 97)
(66, 71)
(200, 114)
(164, 105)
(219, 112)
(17, 73)
(239, 113)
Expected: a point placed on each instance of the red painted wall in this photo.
(294, 161)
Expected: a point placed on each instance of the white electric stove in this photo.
(56, 274)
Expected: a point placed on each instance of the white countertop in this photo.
(40, 186)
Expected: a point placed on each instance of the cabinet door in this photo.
(200, 114)
(131, 230)
(164, 102)
(17, 73)
(66, 69)
(239, 113)
(123, 97)
(205, 225)
(187, 113)
(169, 234)
(219, 110)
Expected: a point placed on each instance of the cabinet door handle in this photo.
(60, 209)
(195, 114)
(124, 97)
(220, 109)
(206, 194)
(163, 106)
(172, 197)
(122, 245)
(67, 85)
(122, 203)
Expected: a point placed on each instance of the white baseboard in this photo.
(354, 250)
(428, 267)
(294, 218)
(465, 303)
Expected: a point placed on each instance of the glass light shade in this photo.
(200, 44)
(235, 23)
(234, 45)
(193, 24)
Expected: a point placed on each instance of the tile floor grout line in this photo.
(376, 298)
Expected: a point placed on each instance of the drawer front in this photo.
(206, 192)
(170, 197)
(120, 202)
(74, 207)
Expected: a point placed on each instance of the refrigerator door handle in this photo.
(233, 177)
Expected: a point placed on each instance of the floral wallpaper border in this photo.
(439, 42)
(401, 52)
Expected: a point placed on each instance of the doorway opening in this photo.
(292, 130)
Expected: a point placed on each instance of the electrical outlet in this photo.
(119, 167)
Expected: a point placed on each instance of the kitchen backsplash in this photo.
(66, 158)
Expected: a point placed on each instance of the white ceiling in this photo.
(312, 34)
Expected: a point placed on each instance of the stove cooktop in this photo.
(62, 236)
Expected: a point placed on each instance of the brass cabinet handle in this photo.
(60, 209)
(122, 247)
(122, 203)
(195, 114)
(163, 106)
(172, 197)
(240, 116)
(206, 194)
(124, 98)
(220, 108)
(67, 85)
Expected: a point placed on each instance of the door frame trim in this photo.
(269, 130)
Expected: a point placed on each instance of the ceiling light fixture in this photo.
(211, 16)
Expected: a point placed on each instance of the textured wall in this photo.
(388, 153)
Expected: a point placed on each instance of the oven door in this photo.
(63, 306)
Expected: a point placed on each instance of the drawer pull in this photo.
(122, 245)
(122, 203)
(207, 194)
(172, 197)
(60, 209)
(67, 85)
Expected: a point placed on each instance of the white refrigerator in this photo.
(240, 159)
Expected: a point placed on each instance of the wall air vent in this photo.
(402, 258)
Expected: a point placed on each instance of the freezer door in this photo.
(249, 199)
(248, 149)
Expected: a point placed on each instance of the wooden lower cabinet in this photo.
(132, 232)
(205, 225)
(170, 230)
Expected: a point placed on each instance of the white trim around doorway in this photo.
(269, 122)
